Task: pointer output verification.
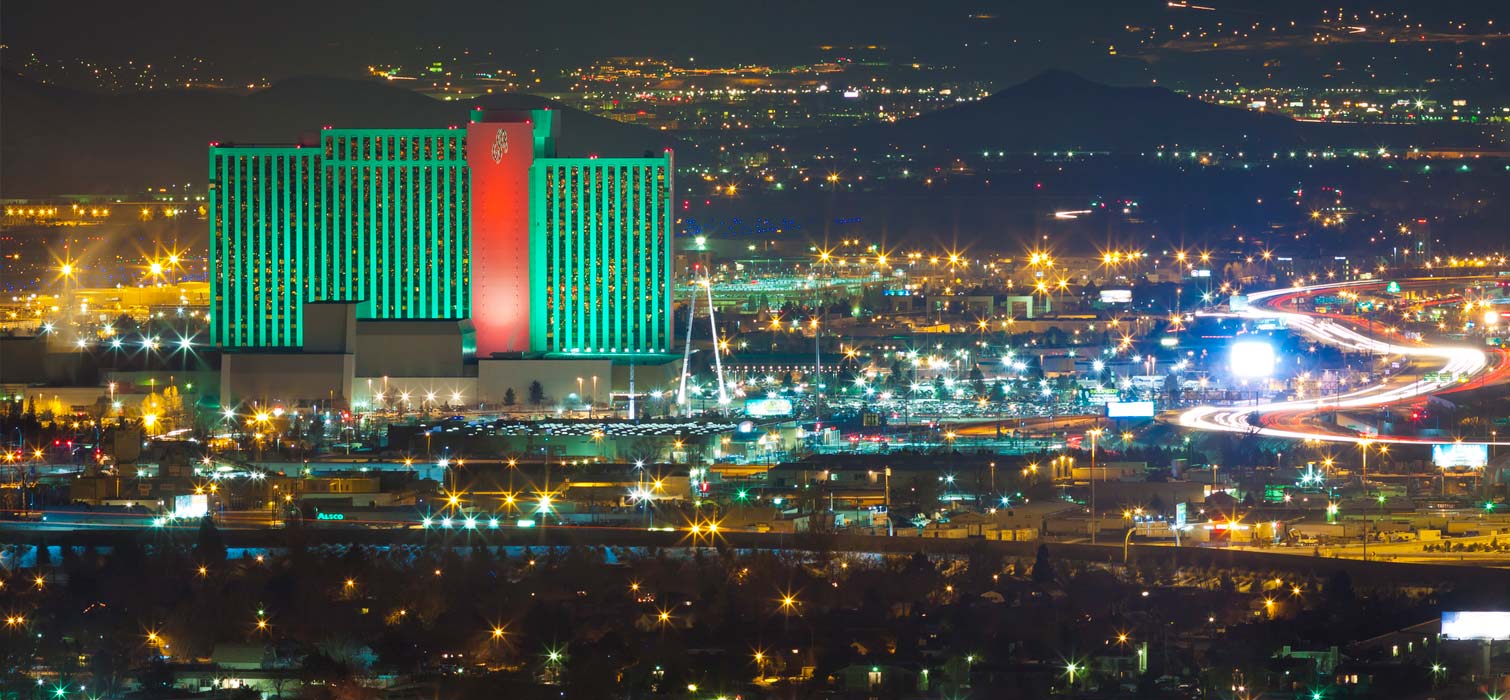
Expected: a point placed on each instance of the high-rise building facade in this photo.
(544, 255)
(374, 216)
(395, 223)
(601, 255)
(265, 239)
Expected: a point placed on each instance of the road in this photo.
(1372, 573)
(1286, 419)
(1033, 425)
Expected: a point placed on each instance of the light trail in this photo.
(1455, 361)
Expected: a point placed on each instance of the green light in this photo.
(741, 495)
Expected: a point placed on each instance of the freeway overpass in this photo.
(1286, 419)
(1363, 573)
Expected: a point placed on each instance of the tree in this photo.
(1338, 589)
(508, 397)
(922, 493)
(1171, 387)
(156, 677)
(978, 381)
(210, 547)
(316, 430)
(1043, 569)
(537, 393)
(644, 449)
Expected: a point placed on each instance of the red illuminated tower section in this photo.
(501, 146)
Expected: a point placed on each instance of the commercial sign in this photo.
(1252, 359)
(194, 505)
(1460, 454)
(1129, 409)
(1476, 624)
(770, 407)
(1116, 296)
(1103, 396)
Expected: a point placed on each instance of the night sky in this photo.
(998, 41)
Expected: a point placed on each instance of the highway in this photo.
(1282, 419)
(1374, 573)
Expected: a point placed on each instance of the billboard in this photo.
(195, 505)
(1476, 624)
(770, 407)
(1460, 454)
(500, 150)
(1129, 409)
(1116, 296)
(1252, 358)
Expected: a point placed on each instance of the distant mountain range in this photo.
(55, 140)
(1062, 111)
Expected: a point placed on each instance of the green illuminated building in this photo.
(394, 217)
(543, 255)
(600, 255)
(264, 241)
(373, 216)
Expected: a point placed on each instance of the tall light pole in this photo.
(1363, 447)
(1094, 433)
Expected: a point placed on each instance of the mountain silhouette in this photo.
(57, 140)
(1058, 110)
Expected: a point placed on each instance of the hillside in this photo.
(56, 140)
(1062, 111)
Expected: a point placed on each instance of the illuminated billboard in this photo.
(195, 505)
(1476, 624)
(1252, 358)
(1116, 296)
(1460, 454)
(771, 407)
(1129, 409)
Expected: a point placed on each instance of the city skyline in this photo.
(1088, 350)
